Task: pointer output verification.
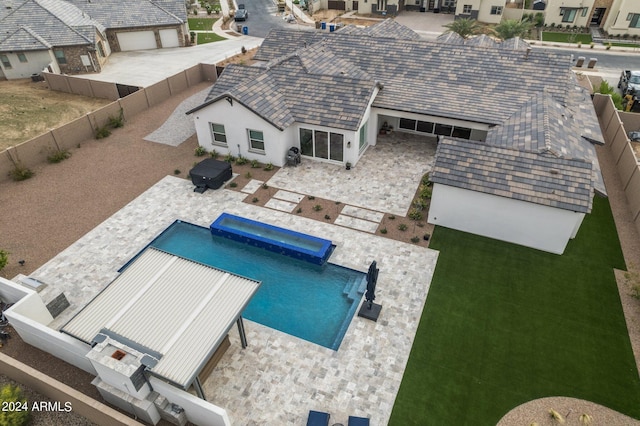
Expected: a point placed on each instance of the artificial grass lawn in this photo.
(566, 37)
(504, 324)
(208, 38)
(201, 24)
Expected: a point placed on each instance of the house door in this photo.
(598, 14)
(382, 4)
(354, 5)
(431, 4)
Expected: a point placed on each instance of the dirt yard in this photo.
(29, 109)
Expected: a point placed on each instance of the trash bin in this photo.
(423, 9)
(317, 25)
(245, 30)
(332, 28)
(238, 27)
(323, 25)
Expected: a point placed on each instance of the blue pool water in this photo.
(312, 302)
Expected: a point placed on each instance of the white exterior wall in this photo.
(527, 224)
(29, 317)
(36, 62)
(485, 15)
(552, 12)
(198, 411)
(236, 120)
(616, 22)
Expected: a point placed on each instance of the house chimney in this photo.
(526, 56)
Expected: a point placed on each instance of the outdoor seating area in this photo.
(319, 418)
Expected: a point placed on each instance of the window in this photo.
(60, 56)
(466, 9)
(100, 49)
(363, 136)
(218, 135)
(321, 144)
(496, 10)
(306, 142)
(443, 129)
(405, 123)
(424, 127)
(256, 140)
(22, 57)
(584, 11)
(568, 15)
(635, 21)
(336, 146)
(5, 62)
(461, 132)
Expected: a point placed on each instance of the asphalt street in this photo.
(264, 16)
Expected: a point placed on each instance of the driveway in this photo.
(428, 24)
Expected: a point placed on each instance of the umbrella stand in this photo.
(368, 309)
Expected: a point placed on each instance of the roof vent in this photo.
(526, 56)
(554, 172)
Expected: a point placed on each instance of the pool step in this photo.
(355, 287)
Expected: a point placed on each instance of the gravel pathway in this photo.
(179, 126)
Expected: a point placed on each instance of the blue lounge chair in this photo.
(317, 418)
(358, 421)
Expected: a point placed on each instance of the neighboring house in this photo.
(623, 18)
(569, 13)
(329, 94)
(488, 11)
(76, 37)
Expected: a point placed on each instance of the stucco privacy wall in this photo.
(616, 140)
(81, 404)
(81, 130)
(527, 224)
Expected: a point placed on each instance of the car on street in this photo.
(630, 83)
(241, 14)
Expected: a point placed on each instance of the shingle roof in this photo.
(52, 22)
(462, 82)
(131, 14)
(384, 29)
(527, 176)
(24, 39)
(482, 40)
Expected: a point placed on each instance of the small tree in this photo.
(465, 28)
(510, 28)
(19, 414)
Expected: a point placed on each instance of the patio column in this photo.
(243, 336)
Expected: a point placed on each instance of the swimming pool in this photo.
(315, 303)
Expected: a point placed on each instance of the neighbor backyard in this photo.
(504, 325)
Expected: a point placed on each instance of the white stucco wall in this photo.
(528, 224)
(36, 62)
(616, 22)
(552, 12)
(484, 15)
(237, 119)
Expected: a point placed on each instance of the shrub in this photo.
(116, 122)
(311, 197)
(420, 204)
(4, 258)
(317, 207)
(402, 227)
(425, 179)
(102, 132)
(243, 50)
(177, 172)
(268, 167)
(327, 217)
(19, 172)
(200, 151)
(299, 210)
(18, 417)
(214, 154)
(229, 158)
(58, 156)
(392, 217)
(248, 175)
(415, 239)
(265, 186)
(241, 160)
(415, 214)
(426, 192)
(255, 200)
(233, 184)
(383, 231)
(255, 164)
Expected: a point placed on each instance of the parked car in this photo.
(629, 82)
(241, 13)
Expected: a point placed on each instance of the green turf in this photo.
(208, 38)
(504, 324)
(201, 24)
(566, 37)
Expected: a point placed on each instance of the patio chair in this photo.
(317, 418)
(358, 421)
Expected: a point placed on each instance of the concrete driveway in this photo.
(146, 67)
(428, 24)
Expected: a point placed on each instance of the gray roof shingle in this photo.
(132, 14)
(55, 22)
(526, 176)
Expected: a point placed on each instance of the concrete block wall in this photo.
(628, 165)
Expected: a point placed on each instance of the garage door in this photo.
(337, 5)
(169, 38)
(137, 40)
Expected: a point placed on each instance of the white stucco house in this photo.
(516, 159)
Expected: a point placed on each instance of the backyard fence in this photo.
(614, 124)
(35, 151)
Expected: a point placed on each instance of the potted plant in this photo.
(348, 165)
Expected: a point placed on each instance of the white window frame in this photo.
(22, 57)
(496, 10)
(61, 58)
(467, 8)
(6, 63)
(254, 139)
(220, 141)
